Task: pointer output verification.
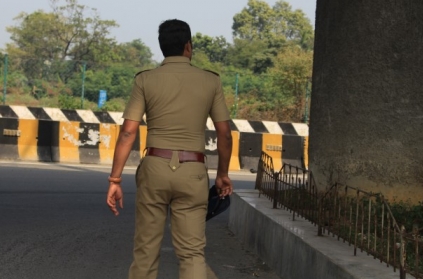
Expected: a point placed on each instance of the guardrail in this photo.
(359, 218)
(292, 188)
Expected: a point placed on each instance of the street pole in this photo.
(84, 67)
(5, 79)
(236, 95)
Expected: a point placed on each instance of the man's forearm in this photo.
(224, 150)
(122, 150)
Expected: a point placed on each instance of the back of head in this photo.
(173, 35)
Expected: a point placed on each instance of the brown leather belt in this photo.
(184, 156)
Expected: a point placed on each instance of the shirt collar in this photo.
(176, 59)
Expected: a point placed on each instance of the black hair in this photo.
(173, 35)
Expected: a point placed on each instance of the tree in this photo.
(215, 48)
(261, 32)
(64, 34)
(117, 80)
(253, 55)
(254, 22)
(290, 77)
(53, 46)
(134, 53)
(82, 38)
(277, 24)
(294, 26)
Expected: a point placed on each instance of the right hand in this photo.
(224, 185)
(114, 195)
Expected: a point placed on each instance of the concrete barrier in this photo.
(293, 150)
(284, 149)
(211, 150)
(250, 147)
(292, 248)
(9, 133)
(305, 150)
(66, 142)
(27, 140)
(83, 136)
(108, 138)
(272, 145)
(234, 164)
(46, 141)
(93, 143)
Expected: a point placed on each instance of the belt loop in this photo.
(144, 152)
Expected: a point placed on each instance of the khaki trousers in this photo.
(164, 183)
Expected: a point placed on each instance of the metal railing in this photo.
(362, 219)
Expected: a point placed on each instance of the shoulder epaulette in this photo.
(141, 72)
(212, 72)
(206, 70)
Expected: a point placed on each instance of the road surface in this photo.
(54, 224)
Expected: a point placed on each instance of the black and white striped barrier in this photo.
(87, 136)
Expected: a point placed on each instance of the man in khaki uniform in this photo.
(177, 99)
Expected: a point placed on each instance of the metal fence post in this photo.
(275, 189)
(320, 217)
(403, 254)
(84, 67)
(5, 79)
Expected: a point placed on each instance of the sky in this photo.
(140, 19)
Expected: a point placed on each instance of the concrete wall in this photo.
(292, 248)
(367, 97)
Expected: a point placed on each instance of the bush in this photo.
(69, 102)
(116, 104)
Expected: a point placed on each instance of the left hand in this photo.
(115, 194)
(224, 185)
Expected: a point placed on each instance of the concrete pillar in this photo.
(366, 123)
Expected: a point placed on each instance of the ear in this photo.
(188, 49)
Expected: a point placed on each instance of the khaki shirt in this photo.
(177, 99)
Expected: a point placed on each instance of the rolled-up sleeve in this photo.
(219, 111)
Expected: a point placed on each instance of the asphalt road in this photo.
(54, 223)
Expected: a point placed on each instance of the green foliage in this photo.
(134, 53)
(254, 22)
(277, 24)
(69, 102)
(2, 60)
(16, 79)
(270, 55)
(216, 49)
(261, 32)
(61, 34)
(116, 80)
(252, 55)
(200, 60)
(290, 77)
(116, 104)
(408, 215)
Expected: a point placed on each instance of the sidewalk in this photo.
(292, 248)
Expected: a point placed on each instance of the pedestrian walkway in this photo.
(292, 248)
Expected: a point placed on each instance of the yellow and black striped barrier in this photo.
(289, 149)
(94, 143)
(70, 142)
